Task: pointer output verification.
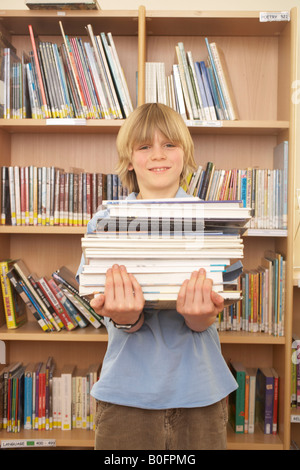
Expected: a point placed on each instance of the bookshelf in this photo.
(262, 64)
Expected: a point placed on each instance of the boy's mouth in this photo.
(159, 169)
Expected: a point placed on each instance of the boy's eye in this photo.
(169, 144)
(144, 147)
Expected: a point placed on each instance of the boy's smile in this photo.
(158, 166)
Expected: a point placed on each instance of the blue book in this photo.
(265, 399)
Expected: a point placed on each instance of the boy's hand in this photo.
(198, 303)
(123, 299)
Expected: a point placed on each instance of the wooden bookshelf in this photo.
(261, 60)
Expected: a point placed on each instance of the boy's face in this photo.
(158, 166)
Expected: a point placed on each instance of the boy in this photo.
(164, 381)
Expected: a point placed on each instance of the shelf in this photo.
(76, 438)
(32, 332)
(244, 337)
(38, 229)
(256, 441)
(210, 23)
(81, 438)
(111, 126)
(118, 22)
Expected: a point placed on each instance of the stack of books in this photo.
(161, 242)
(198, 90)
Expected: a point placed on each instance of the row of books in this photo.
(255, 401)
(262, 308)
(78, 79)
(198, 90)
(42, 397)
(34, 195)
(162, 242)
(54, 302)
(63, 5)
(265, 190)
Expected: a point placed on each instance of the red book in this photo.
(38, 70)
(58, 307)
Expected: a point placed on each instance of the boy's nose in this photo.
(157, 153)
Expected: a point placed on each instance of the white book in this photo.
(161, 263)
(17, 194)
(66, 397)
(121, 73)
(148, 279)
(179, 92)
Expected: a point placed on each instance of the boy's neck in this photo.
(162, 195)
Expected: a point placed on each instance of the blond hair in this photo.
(140, 127)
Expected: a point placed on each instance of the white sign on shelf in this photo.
(27, 443)
(66, 122)
(265, 16)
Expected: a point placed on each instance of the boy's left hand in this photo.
(197, 302)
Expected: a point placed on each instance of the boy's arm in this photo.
(198, 303)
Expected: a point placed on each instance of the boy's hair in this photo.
(139, 128)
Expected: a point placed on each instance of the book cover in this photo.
(14, 305)
(265, 399)
(237, 398)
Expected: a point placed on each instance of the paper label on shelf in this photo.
(204, 123)
(66, 122)
(61, 13)
(265, 16)
(17, 443)
(295, 418)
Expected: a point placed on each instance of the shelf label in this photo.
(295, 418)
(17, 443)
(65, 122)
(265, 16)
(199, 123)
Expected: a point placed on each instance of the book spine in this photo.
(7, 295)
(42, 282)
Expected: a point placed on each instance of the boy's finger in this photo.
(98, 301)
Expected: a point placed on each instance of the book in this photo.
(56, 304)
(63, 5)
(14, 305)
(29, 302)
(35, 295)
(70, 288)
(265, 399)
(237, 398)
(66, 396)
(251, 373)
(221, 71)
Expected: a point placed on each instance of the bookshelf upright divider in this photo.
(262, 64)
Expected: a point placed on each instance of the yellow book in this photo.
(14, 307)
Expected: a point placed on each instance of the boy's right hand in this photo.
(123, 299)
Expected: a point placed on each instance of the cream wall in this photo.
(259, 5)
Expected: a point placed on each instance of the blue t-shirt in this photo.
(164, 364)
